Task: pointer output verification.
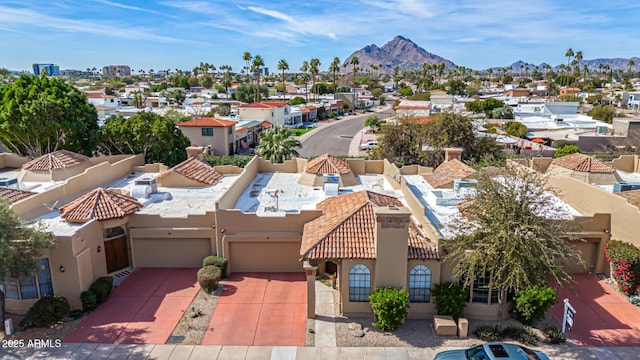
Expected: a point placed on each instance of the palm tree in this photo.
(334, 68)
(355, 61)
(305, 69)
(283, 66)
(313, 68)
(277, 145)
(247, 61)
(631, 63)
(226, 78)
(258, 63)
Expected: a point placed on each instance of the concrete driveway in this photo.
(266, 309)
(144, 309)
(603, 317)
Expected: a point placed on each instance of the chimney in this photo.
(195, 151)
(392, 243)
(452, 153)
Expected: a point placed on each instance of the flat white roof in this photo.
(34, 186)
(542, 122)
(260, 196)
(441, 205)
(58, 226)
(177, 202)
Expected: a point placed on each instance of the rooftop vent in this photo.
(9, 182)
(144, 187)
(464, 183)
(625, 186)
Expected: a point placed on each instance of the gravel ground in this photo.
(193, 329)
(55, 332)
(310, 337)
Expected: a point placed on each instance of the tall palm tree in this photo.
(631, 63)
(258, 63)
(247, 62)
(334, 68)
(355, 61)
(305, 69)
(313, 68)
(277, 145)
(283, 66)
(226, 78)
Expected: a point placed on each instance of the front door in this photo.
(116, 253)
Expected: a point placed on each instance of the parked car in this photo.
(492, 351)
(368, 145)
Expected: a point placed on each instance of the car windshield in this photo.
(528, 354)
(476, 353)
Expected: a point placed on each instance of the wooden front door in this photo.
(116, 253)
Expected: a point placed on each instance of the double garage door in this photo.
(264, 257)
(150, 252)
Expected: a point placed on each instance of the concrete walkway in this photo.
(325, 331)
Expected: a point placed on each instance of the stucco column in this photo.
(311, 270)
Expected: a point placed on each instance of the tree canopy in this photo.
(39, 115)
(20, 246)
(277, 145)
(151, 134)
(247, 92)
(511, 230)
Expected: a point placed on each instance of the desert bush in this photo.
(488, 333)
(554, 335)
(208, 278)
(102, 288)
(49, 310)
(390, 307)
(218, 261)
(449, 299)
(89, 300)
(532, 303)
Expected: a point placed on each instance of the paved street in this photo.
(336, 137)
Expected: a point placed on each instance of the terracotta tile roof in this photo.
(266, 124)
(14, 195)
(264, 105)
(447, 172)
(346, 230)
(417, 119)
(195, 169)
(207, 122)
(420, 247)
(327, 164)
(99, 204)
(56, 160)
(583, 163)
(632, 196)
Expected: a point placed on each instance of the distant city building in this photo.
(76, 73)
(116, 70)
(264, 71)
(50, 69)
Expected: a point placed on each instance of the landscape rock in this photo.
(358, 333)
(355, 326)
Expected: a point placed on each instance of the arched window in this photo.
(420, 284)
(359, 283)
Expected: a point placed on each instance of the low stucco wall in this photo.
(10, 160)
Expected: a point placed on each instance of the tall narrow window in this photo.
(420, 284)
(359, 283)
(44, 278)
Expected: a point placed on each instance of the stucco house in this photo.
(367, 221)
(277, 113)
(216, 135)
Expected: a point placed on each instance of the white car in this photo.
(370, 144)
(492, 351)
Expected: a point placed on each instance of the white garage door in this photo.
(170, 252)
(264, 257)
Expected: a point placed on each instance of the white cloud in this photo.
(136, 8)
(273, 14)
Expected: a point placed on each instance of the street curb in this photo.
(347, 118)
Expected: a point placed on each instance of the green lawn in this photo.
(300, 132)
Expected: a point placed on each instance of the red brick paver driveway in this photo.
(603, 316)
(144, 309)
(267, 309)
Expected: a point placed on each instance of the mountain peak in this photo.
(400, 52)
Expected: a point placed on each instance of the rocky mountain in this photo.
(593, 65)
(400, 52)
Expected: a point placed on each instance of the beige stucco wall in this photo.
(229, 199)
(424, 310)
(108, 158)
(96, 176)
(391, 242)
(9, 160)
(629, 163)
(354, 308)
(53, 175)
(219, 142)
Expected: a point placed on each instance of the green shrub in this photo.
(218, 261)
(390, 307)
(208, 278)
(449, 299)
(49, 310)
(532, 303)
(235, 160)
(89, 300)
(522, 335)
(554, 335)
(488, 333)
(566, 150)
(102, 288)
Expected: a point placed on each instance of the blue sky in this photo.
(170, 34)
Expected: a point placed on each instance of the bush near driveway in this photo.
(218, 261)
(49, 310)
(625, 263)
(208, 278)
(390, 307)
(102, 288)
(450, 299)
(532, 303)
(89, 300)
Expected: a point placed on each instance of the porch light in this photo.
(99, 248)
(62, 268)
